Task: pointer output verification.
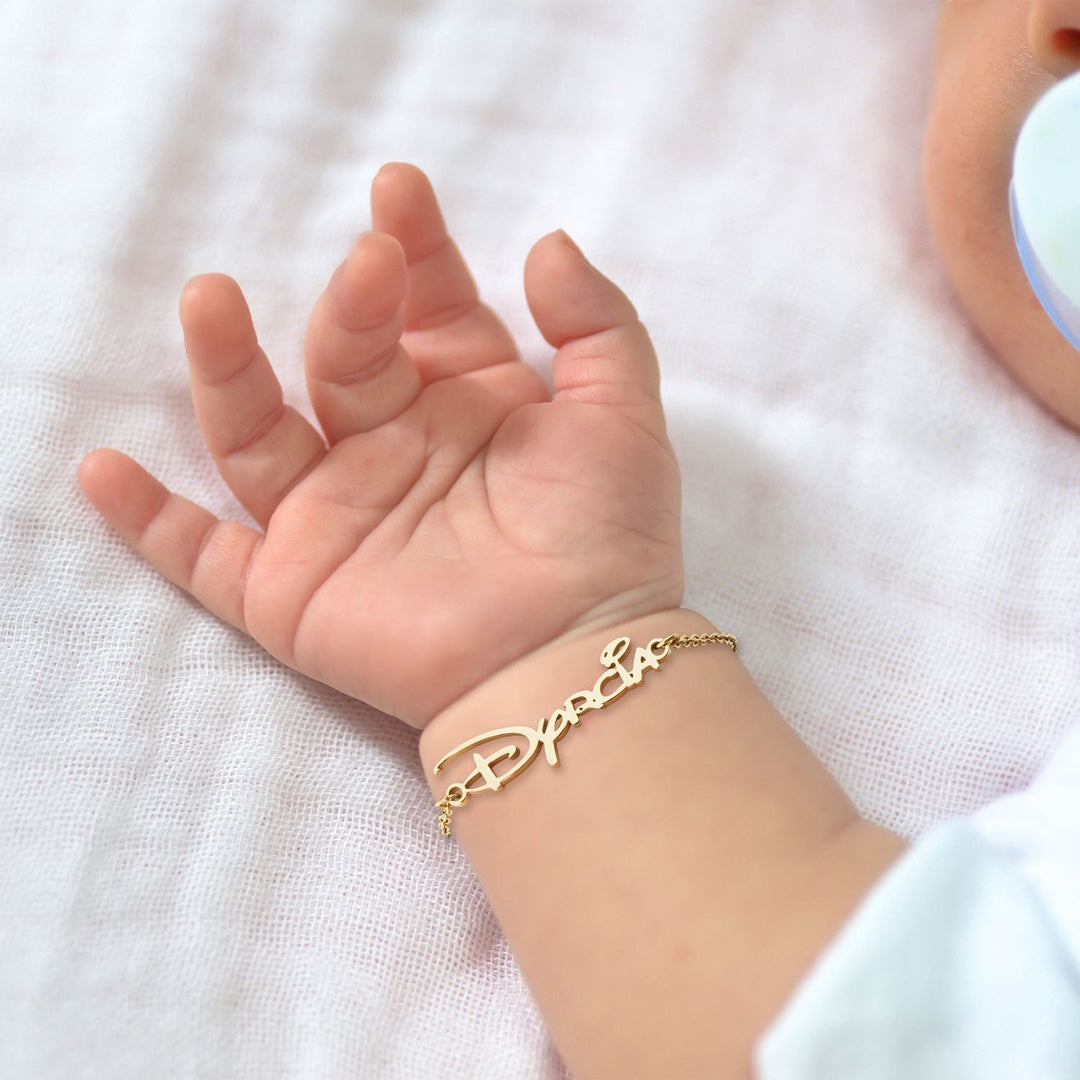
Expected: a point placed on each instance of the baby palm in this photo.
(450, 519)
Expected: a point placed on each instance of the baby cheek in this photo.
(967, 207)
(979, 102)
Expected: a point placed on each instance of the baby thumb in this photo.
(604, 353)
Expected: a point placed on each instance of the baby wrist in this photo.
(516, 718)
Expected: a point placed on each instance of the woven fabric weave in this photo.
(213, 867)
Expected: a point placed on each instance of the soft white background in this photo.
(211, 866)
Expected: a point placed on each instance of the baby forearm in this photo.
(668, 885)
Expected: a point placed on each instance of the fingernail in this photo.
(565, 238)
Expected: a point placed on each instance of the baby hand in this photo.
(451, 517)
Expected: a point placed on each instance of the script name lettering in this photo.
(616, 679)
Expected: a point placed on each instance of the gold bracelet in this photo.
(552, 728)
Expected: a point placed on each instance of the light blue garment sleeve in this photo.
(950, 969)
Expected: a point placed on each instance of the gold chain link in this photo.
(444, 816)
(689, 641)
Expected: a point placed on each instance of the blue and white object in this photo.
(1044, 203)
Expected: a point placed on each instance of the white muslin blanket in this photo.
(213, 867)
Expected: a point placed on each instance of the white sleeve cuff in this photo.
(950, 969)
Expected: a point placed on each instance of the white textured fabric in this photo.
(210, 866)
(1038, 831)
(950, 970)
